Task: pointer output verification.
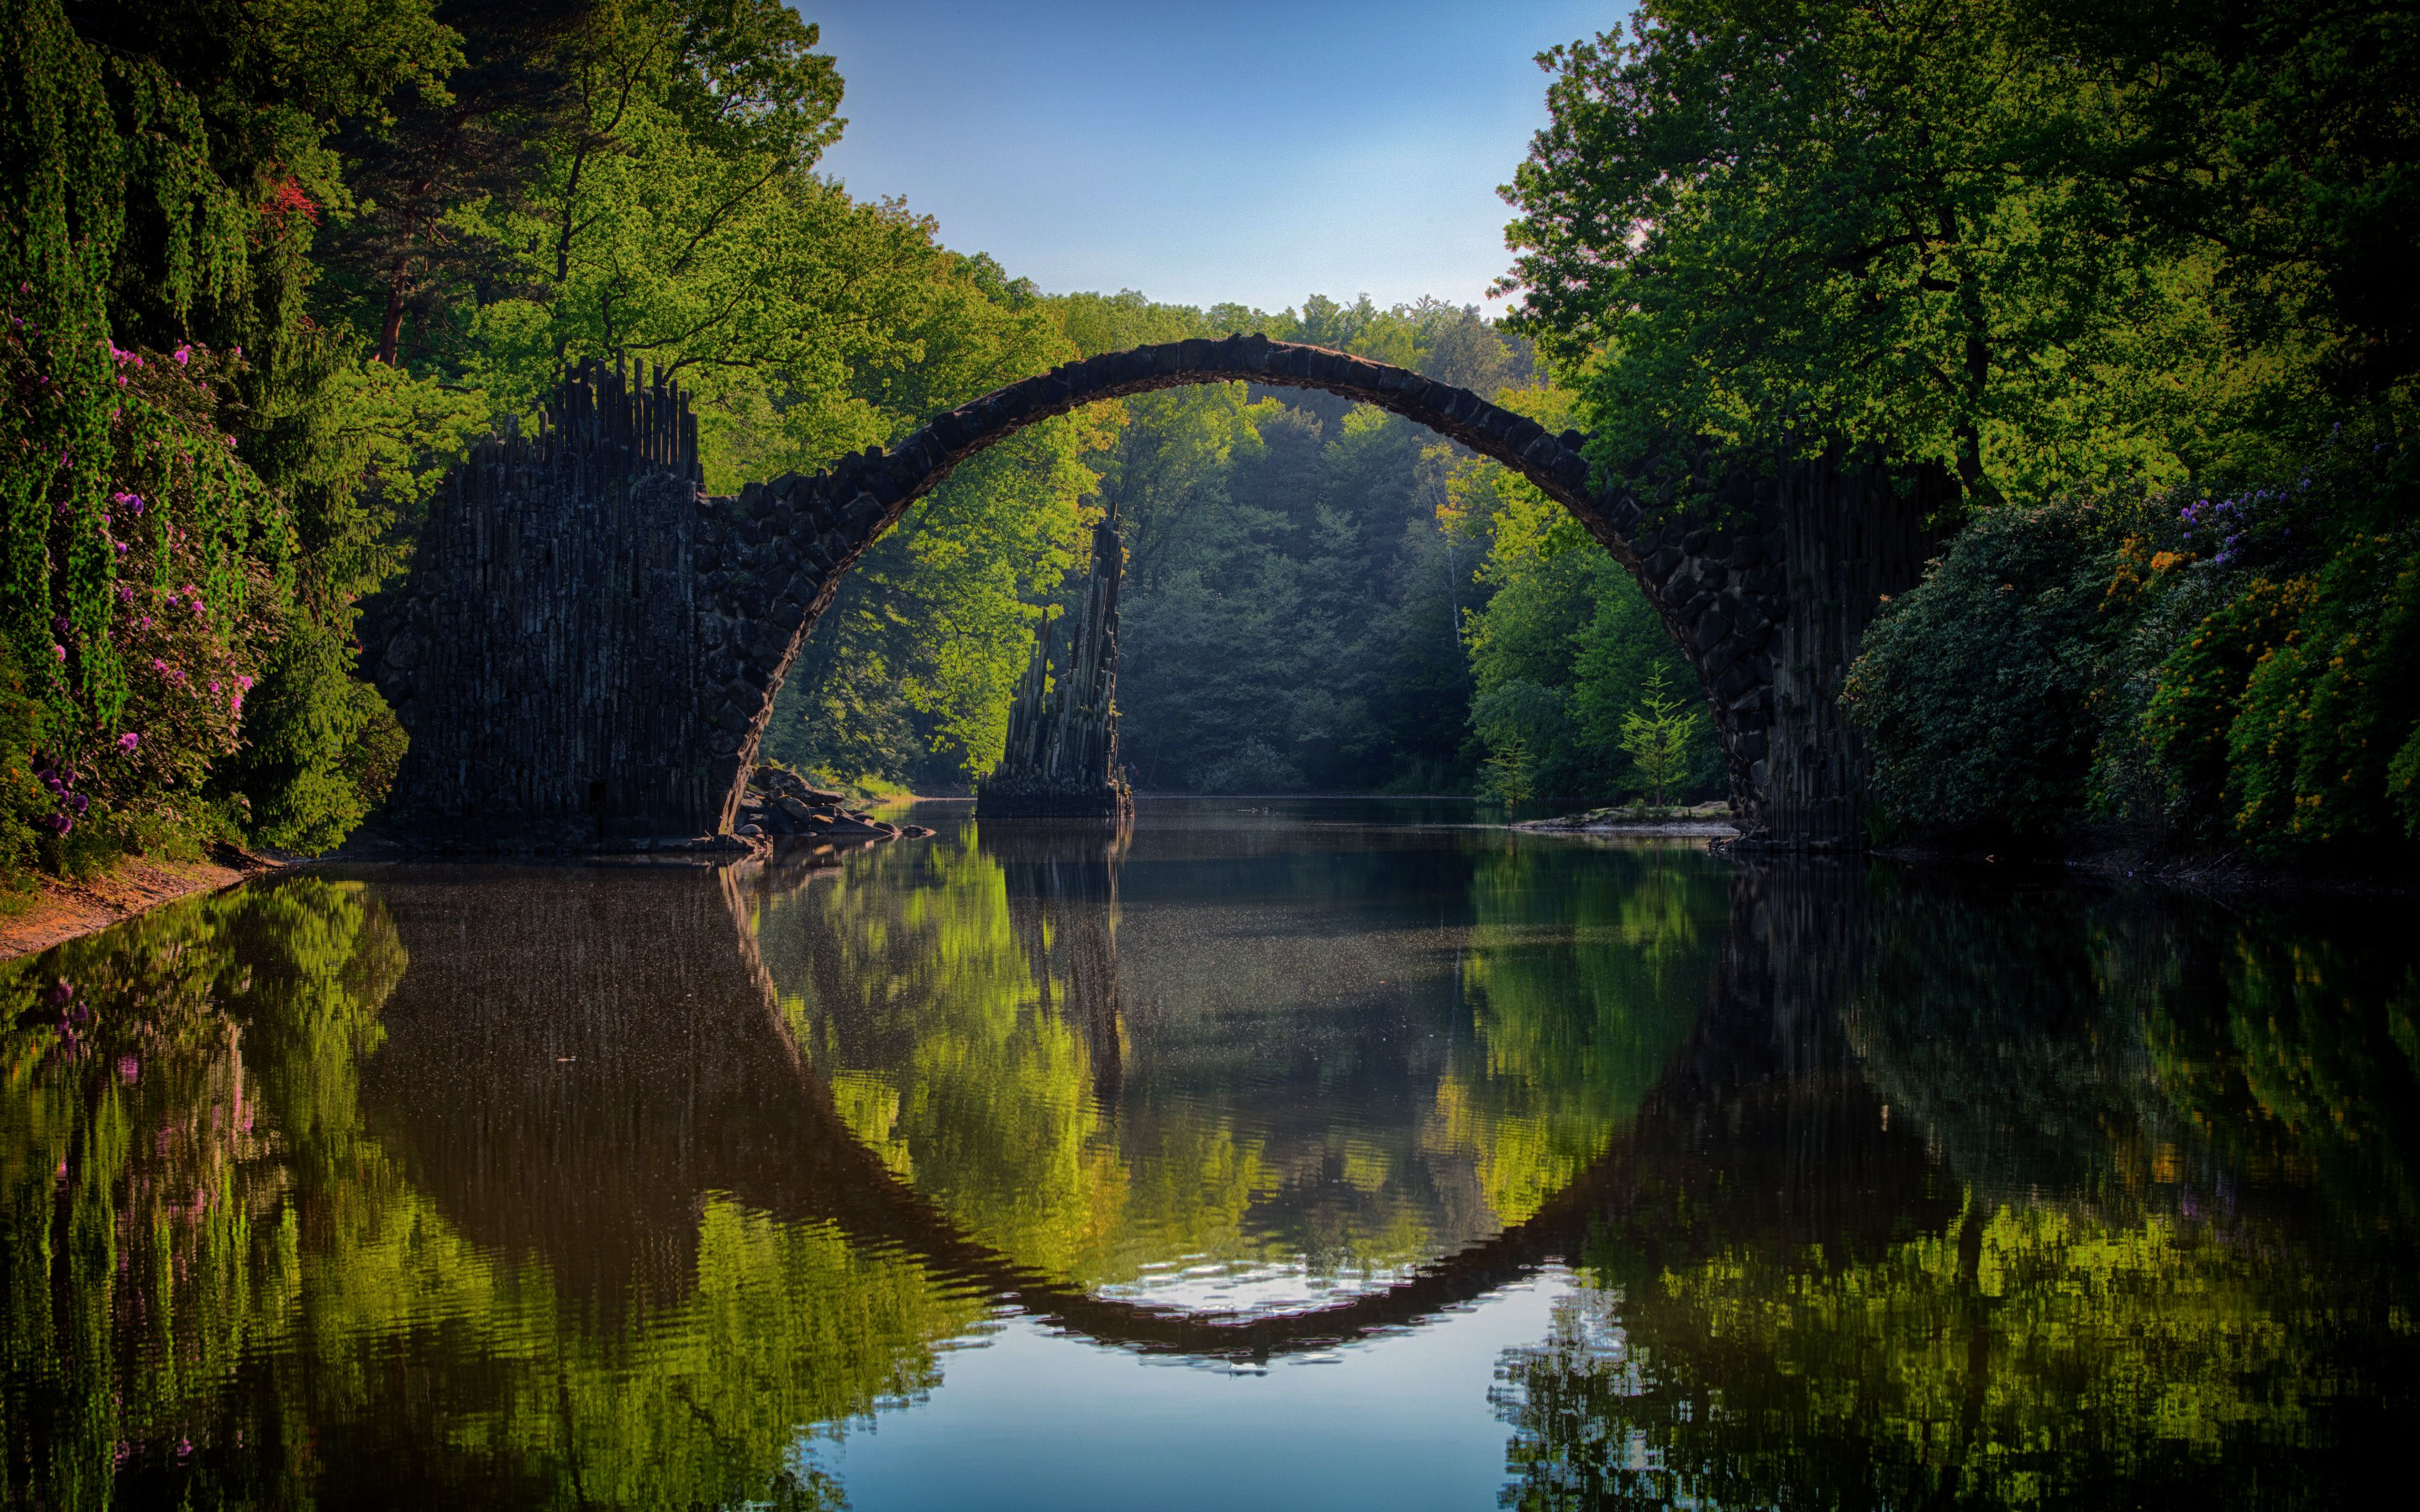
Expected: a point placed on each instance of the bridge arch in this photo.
(588, 647)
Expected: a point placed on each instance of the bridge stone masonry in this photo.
(588, 648)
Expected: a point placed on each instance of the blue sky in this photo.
(1252, 151)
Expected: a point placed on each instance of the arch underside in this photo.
(1725, 1133)
(690, 609)
(1717, 590)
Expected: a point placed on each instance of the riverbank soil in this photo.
(61, 910)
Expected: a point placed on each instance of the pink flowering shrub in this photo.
(163, 573)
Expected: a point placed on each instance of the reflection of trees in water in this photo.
(2085, 1304)
(1268, 1058)
(224, 1286)
(1586, 972)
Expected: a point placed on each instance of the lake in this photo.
(1280, 1153)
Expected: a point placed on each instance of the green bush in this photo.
(1976, 690)
(2293, 711)
(323, 745)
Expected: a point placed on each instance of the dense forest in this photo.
(2138, 276)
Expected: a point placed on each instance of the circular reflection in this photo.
(1200, 1071)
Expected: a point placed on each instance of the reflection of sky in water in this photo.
(1202, 1285)
(1030, 1419)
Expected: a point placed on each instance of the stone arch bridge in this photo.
(588, 648)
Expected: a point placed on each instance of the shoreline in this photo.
(62, 911)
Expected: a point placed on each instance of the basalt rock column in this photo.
(1062, 757)
(544, 652)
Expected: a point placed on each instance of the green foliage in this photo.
(2135, 253)
(1564, 639)
(324, 747)
(1657, 736)
(1505, 776)
(2324, 712)
(1974, 688)
(1792, 226)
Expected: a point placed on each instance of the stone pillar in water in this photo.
(1062, 757)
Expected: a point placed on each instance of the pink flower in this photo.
(183, 355)
(58, 652)
(128, 1068)
(156, 664)
(242, 682)
(215, 685)
(128, 741)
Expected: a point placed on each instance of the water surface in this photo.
(1280, 1153)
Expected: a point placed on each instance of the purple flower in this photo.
(128, 741)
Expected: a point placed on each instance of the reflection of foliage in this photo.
(2303, 1056)
(1587, 970)
(2004, 1030)
(208, 1265)
(966, 1027)
(963, 1062)
(2041, 1357)
(2136, 1305)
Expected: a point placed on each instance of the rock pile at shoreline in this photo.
(1712, 819)
(782, 805)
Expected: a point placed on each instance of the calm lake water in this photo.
(1279, 1154)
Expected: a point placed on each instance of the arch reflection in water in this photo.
(519, 1187)
(1175, 1071)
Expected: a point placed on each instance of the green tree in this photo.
(1657, 736)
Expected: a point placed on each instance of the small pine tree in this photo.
(1506, 777)
(1656, 737)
